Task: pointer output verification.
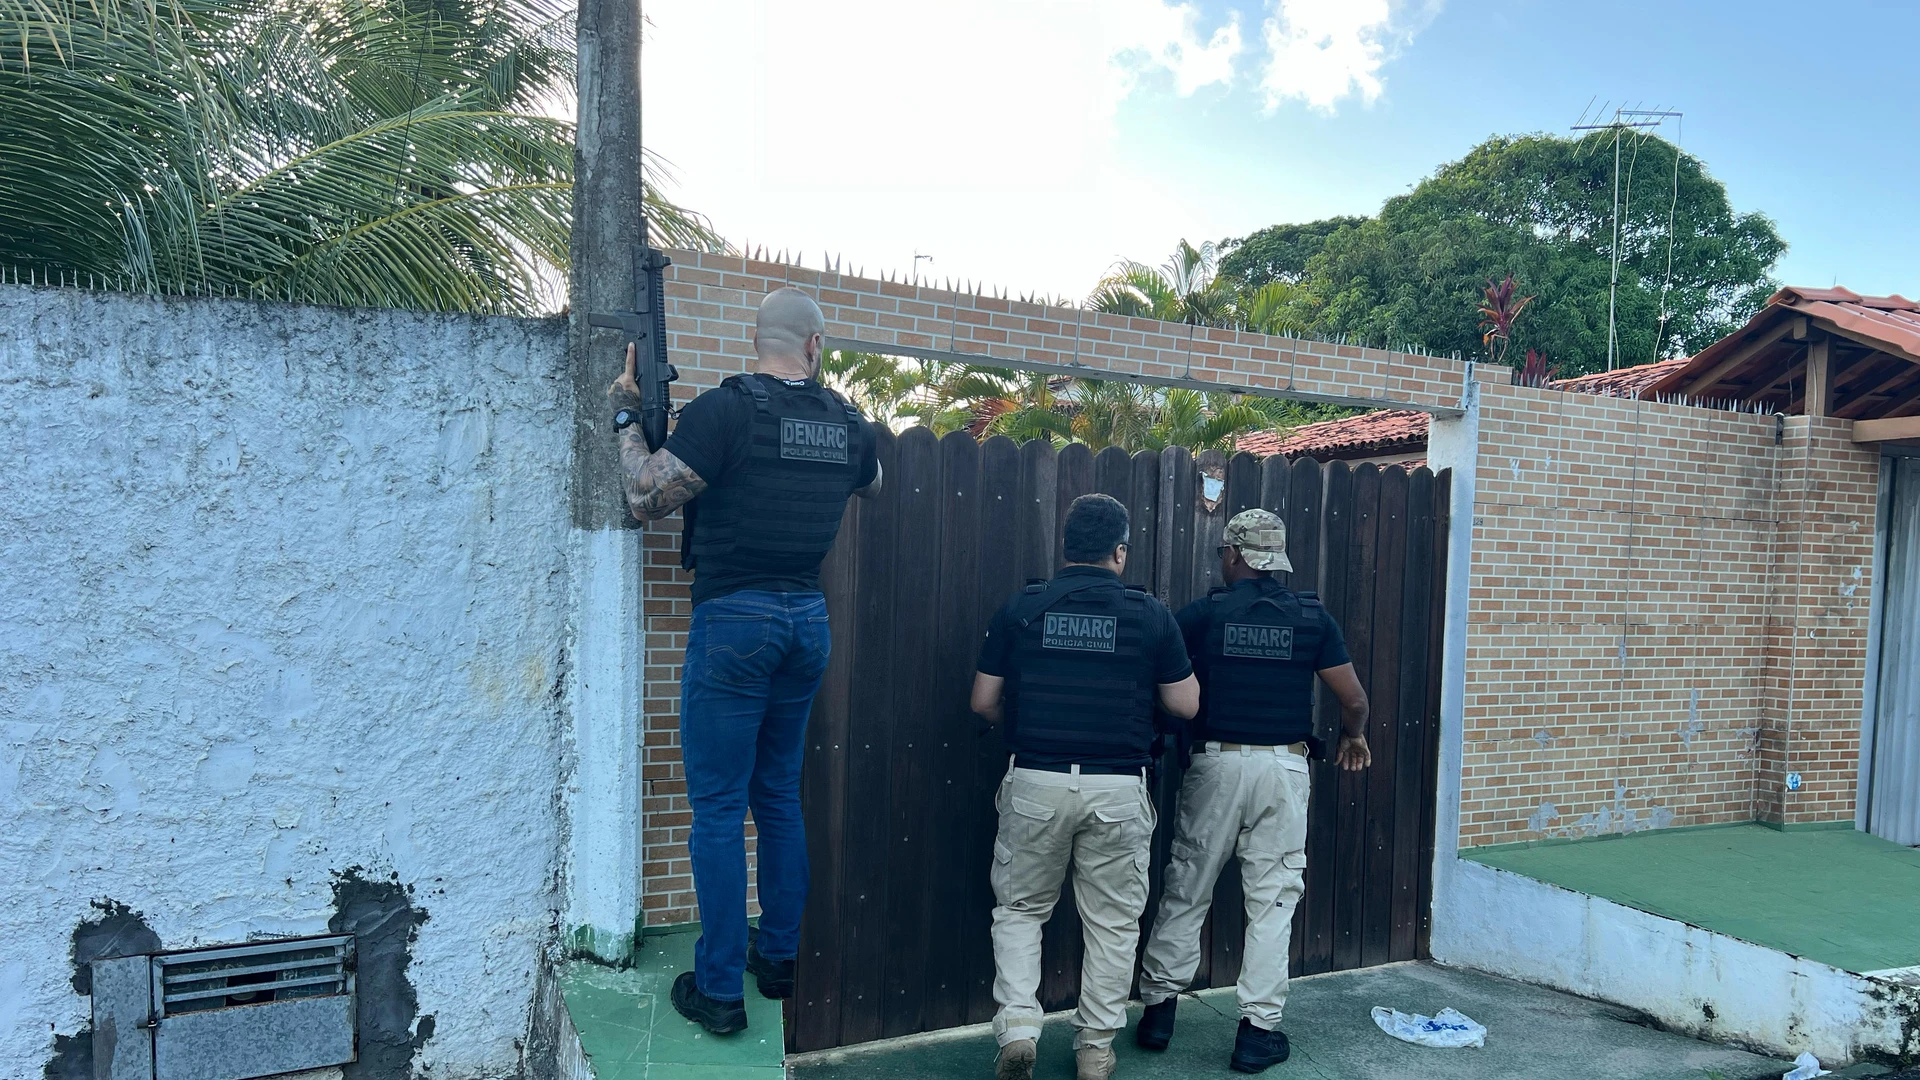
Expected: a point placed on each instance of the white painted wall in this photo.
(284, 592)
(1524, 929)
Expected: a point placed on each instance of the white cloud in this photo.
(982, 132)
(1319, 51)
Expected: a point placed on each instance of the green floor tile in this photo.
(1839, 897)
(630, 1031)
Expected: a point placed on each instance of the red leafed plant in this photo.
(1534, 370)
(1497, 316)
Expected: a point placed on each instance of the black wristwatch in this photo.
(624, 418)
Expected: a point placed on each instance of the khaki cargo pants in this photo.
(1103, 827)
(1250, 802)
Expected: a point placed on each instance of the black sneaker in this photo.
(718, 1017)
(1254, 1049)
(1155, 1028)
(773, 977)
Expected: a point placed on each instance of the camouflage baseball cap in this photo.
(1262, 539)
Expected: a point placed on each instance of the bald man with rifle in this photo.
(763, 466)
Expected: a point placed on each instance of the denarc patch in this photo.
(813, 440)
(1080, 633)
(1256, 642)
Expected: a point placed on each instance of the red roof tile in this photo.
(1621, 382)
(1371, 434)
(1890, 324)
(1393, 431)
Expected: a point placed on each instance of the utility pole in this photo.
(1640, 118)
(606, 648)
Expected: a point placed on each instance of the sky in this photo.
(1032, 143)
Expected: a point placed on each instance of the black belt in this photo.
(1085, 770)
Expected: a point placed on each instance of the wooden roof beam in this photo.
(1886, 429)
(1907, 375)
(1706, 380)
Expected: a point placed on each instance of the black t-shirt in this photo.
(1166, 652)
(711, 438)
(1193, 621)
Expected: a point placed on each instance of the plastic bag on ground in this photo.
(1805, 1067)
(1449, 1029)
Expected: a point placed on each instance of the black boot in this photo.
(718, 1017)
(1155, 1028)
(1255, 1048)
(773, 977)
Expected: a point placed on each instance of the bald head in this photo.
(789, 331)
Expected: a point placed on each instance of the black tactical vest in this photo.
(1262, 641)
(1084, 683)
(782, 509)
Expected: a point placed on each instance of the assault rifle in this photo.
(646, 324)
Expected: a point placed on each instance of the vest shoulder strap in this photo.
(1040, 596)
(1138, 596)
(1310, 601)
(750, 386)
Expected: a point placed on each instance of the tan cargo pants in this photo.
(1234, 801)
(1103, 827)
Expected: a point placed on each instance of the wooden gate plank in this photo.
(1304, 514)
(1383, 733)
(813, 1012)
(999, 577)
(1323, 881)
(870, 721)
(914, 735)
(957, 874)
(1350, 852)
(1414, 716)
(1436, 638)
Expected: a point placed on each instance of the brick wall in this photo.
(1665, 617)
(1644, 580)
(1828, 496)
(711, 304)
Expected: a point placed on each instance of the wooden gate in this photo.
(898, 787)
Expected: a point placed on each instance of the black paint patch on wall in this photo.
(118, 930)
(381, 917)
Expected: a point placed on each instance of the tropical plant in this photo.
(1501, 307)
(1534, 370)
(1183, 289)
(371, 152)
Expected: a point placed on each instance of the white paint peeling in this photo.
(284, 593)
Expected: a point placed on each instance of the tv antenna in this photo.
(1625, 120)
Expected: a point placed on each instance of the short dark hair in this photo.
(1096, 524)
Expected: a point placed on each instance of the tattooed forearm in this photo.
(657, 483)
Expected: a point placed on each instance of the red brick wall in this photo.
(711, 305)
(1645, 577)
(1628, 556)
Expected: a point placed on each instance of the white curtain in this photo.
(1894, 800)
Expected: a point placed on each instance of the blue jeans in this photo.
(754, 660)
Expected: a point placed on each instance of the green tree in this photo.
(1278, 253)
(1540, 208)
(368, 152)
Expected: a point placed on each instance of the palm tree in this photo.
(369, 152)
(1182, 289)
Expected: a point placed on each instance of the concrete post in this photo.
(603, 909)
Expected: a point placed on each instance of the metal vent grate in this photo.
(207, 979)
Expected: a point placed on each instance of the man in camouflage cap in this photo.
(1256, 647)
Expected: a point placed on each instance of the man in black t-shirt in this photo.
(1073, 669)
(764, 465)
(1257, 648)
